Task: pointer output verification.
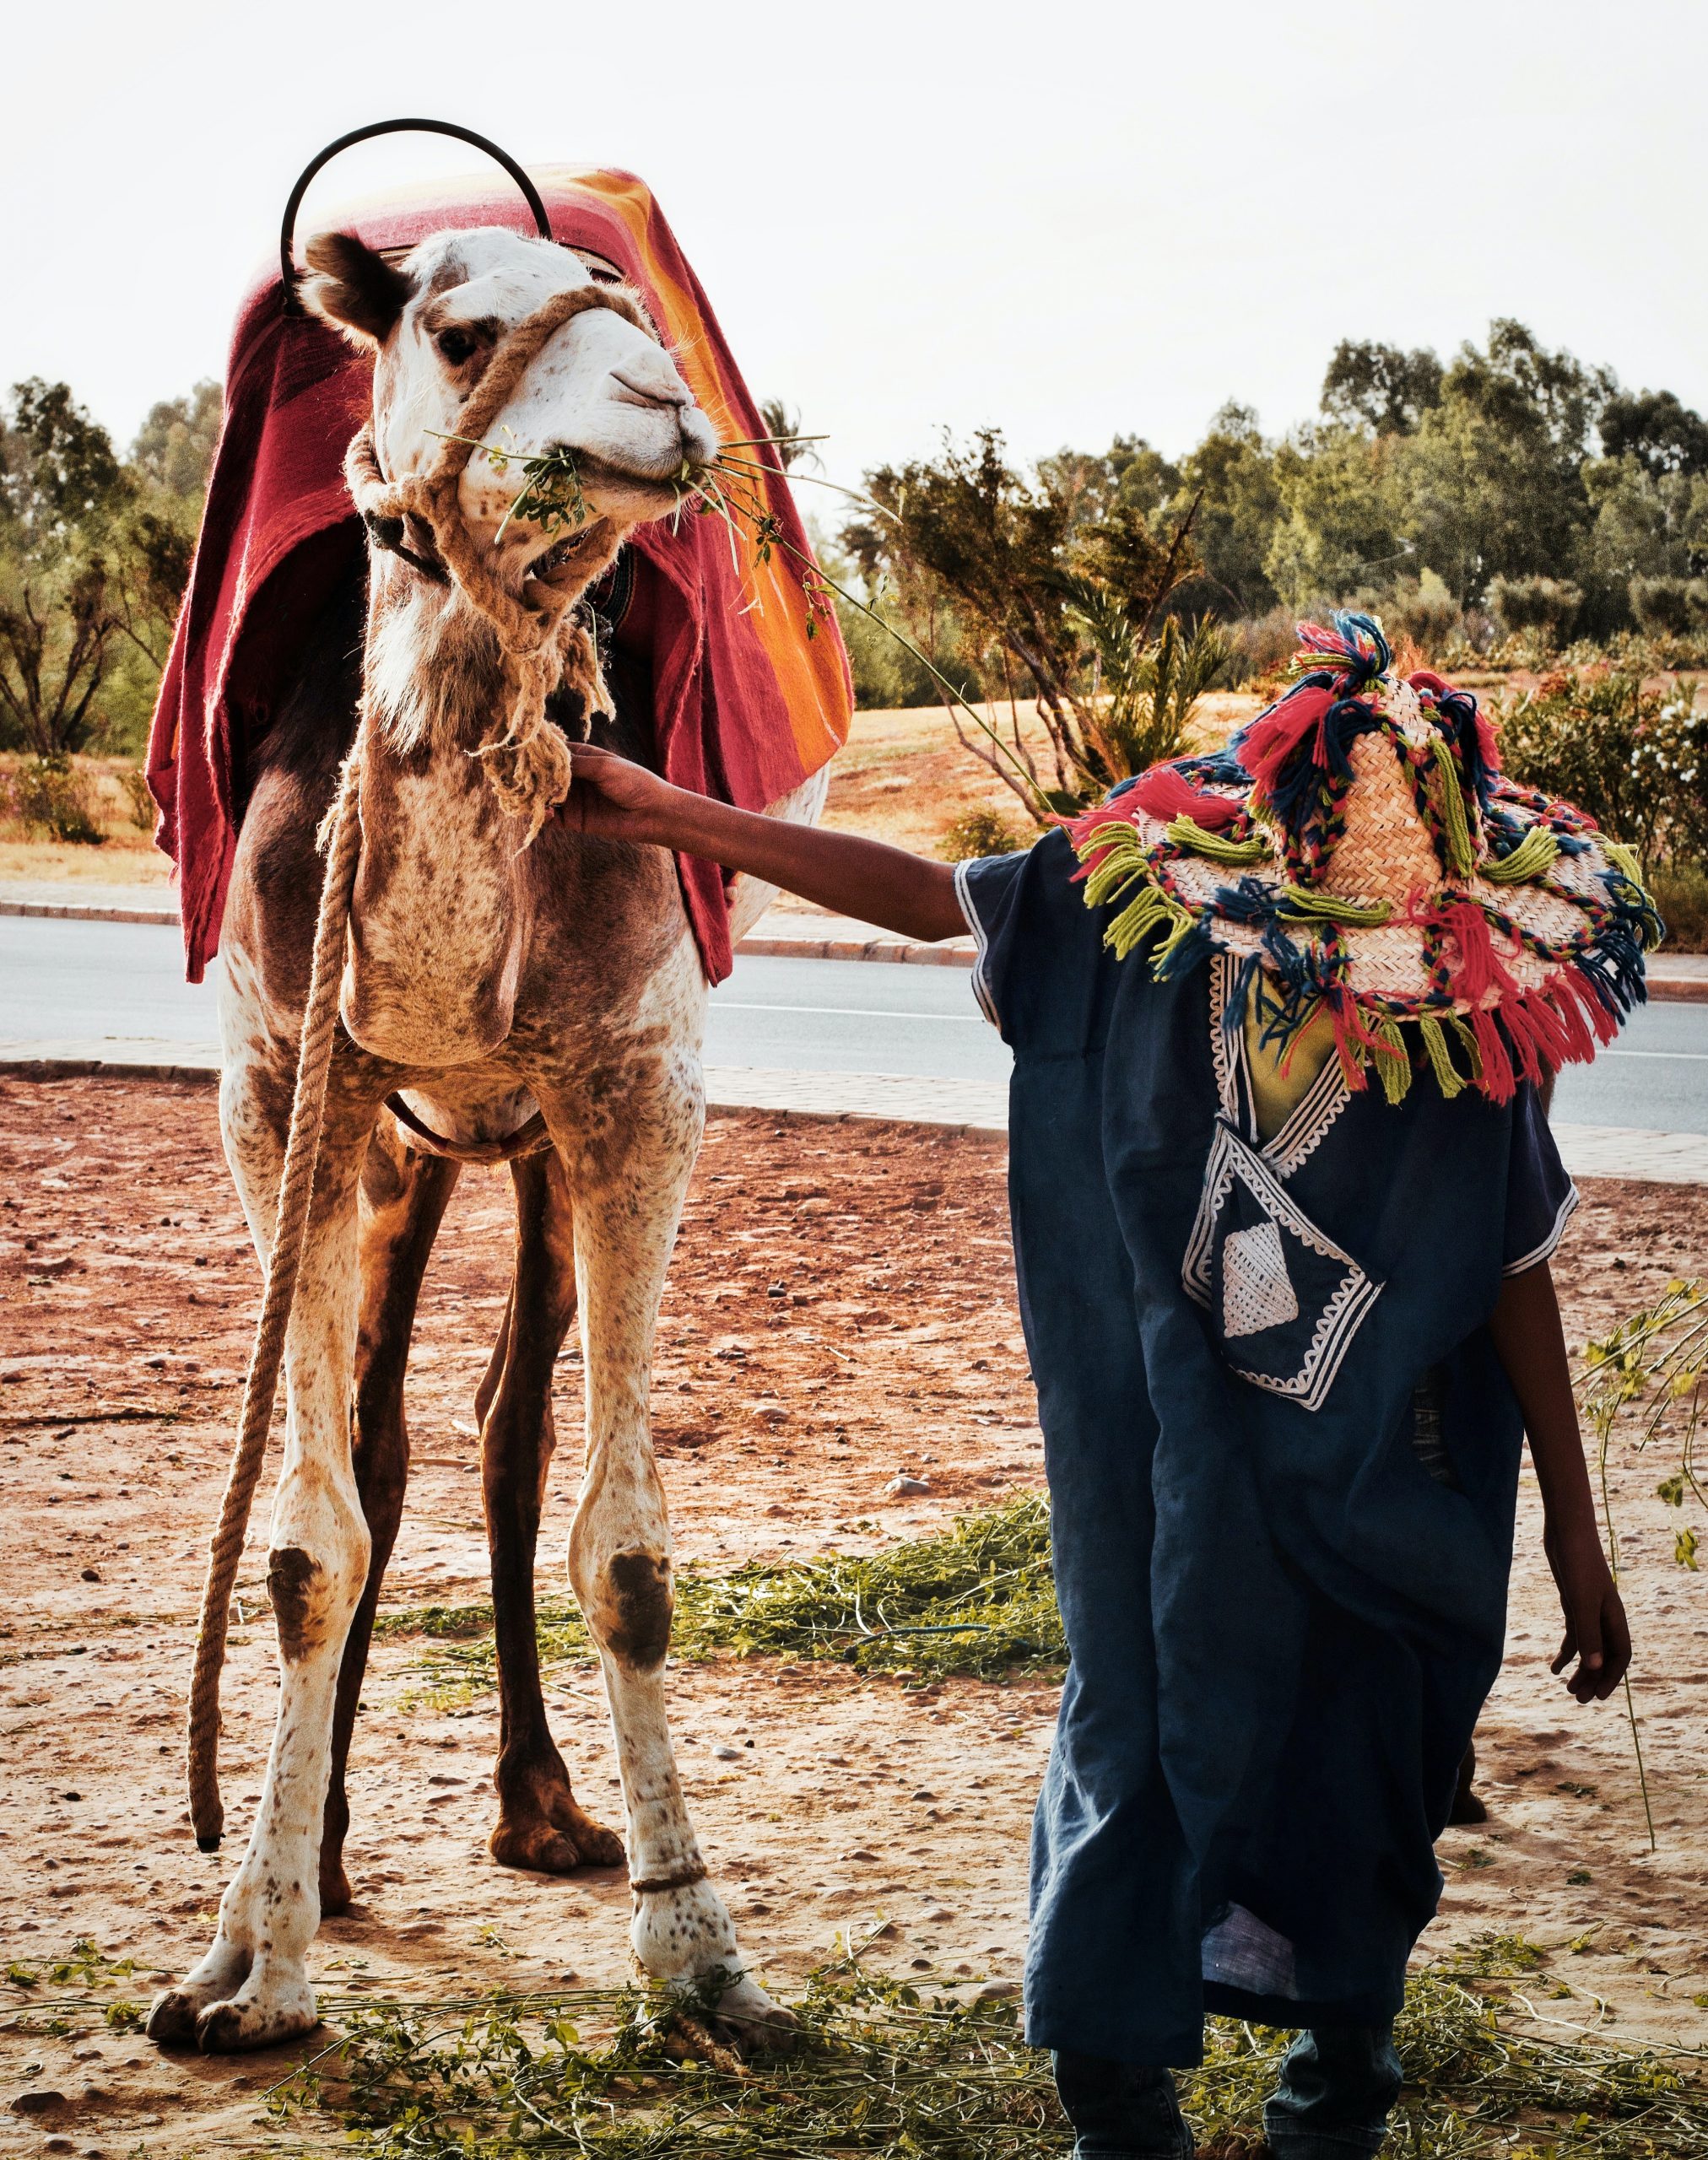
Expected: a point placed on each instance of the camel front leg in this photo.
(620, 1550)
(251, 1989)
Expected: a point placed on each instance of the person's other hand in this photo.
(1597, 1632)
(613, 796)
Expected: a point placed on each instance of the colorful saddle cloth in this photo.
(750, 683)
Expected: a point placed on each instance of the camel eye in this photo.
(456, 346)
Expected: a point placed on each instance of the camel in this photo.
(500, 989)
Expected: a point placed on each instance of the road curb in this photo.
(74, 911)
(895, 951)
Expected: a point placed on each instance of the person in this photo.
(1283, 1201)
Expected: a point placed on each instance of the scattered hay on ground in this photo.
(884, 2071)
(977, 1601)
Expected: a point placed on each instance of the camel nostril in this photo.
(655, 394)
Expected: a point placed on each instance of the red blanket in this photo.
(746, 704)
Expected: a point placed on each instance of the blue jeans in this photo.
(1336, 2088)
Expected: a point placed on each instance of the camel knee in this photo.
(315, 1593)
(628, 1600)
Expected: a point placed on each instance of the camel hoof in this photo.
(555, 1848)
(750, 2024)
(172, 2019)
(597, 1846)
(230, 2028)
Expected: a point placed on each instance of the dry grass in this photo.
(127, 855)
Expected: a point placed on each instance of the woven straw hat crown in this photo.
(1358, 848)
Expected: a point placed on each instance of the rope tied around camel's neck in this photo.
(541, 644)
(526, 763)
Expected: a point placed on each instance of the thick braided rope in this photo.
(526, 757)
(285, 1261)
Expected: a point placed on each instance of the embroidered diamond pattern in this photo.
(1256, 1290)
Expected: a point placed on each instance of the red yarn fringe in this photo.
(1479, 969)
(1267, 743)
(1166, 793)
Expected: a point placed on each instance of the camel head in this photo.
(599, 388)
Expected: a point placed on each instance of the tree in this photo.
(59, 469)
(62, 487)
(1548, 398)
(1340, 528)
(1231, 476)
(1014, 560)
(1663, 434)
(1647, 523)
(56, 633)
(1379, 387)
(95, 553)
(782, 424)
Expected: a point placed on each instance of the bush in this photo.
(977, 832)
(1633, 759)
(1682, 897)
(1543, 606)
(50, 796)
(134, 780)
(1669, 607)
(1423, 610)
(1261, 646)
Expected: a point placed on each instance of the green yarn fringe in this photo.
(1153, 910)
(1461, 852)
(1393, 1060)
(1435, 1041)
(1534, 853)
(1216, 847)
(1305, 903)
(1624, 859)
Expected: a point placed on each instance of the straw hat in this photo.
(1358, 848)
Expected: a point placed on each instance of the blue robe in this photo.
(1283, 1461)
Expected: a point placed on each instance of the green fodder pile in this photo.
(976, 1600)
(881, 2071)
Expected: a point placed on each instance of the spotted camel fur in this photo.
(485, 980)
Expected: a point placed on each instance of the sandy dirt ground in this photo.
(840, 1309)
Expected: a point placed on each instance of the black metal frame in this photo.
(290, 276)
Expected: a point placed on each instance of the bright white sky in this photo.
(1068, 219)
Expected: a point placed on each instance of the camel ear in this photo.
(353, 288)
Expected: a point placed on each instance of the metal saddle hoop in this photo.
(291, 277)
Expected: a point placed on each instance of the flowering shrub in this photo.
(1636, 759)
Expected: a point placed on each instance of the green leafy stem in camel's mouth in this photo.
(730, 488)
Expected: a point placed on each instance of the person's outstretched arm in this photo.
(886, 885)
(1531, 1344)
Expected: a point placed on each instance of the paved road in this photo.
(94, 981)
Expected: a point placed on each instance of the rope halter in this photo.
(540, 644)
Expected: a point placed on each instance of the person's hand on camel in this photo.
(617, 799)
(611, 798)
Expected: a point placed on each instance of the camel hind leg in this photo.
(403, 1198)
(540, 1825)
